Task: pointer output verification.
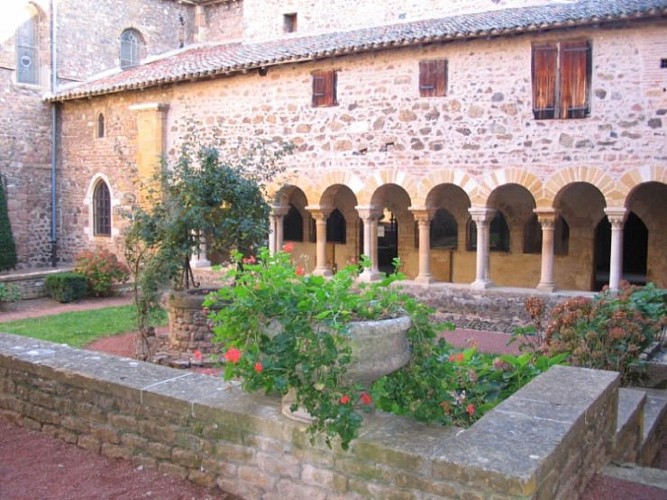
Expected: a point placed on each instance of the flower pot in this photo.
(378, 349)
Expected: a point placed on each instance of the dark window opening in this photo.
(444, 230)
(293, 225)
(100, 125)
(433, 78)
(289, 23)
(324, 88)
(499, 237)
(27, 64)
(101, 210)
(336, 227)
(663, 62)
(561, 74)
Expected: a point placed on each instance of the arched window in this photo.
(499, 237)
(444, 230)
(100, 125)
(129, 48)
(27, 63)
(293, 225)
(336, 227)
(101, 210)
(532, 236)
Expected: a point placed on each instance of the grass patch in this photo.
(77, 328)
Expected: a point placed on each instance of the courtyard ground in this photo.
(35, 466)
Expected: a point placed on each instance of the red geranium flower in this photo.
(288, 247)
(470, 409)
(365, 398)
(451, 358)
(345, 399)
(459, 357)
(197, 354)
(258, 367)
(233, 355)
(300, 271)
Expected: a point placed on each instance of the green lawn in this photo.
(76, 328)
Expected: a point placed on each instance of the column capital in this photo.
(279, 210)
(546, 216)
(482, 214)
(368, 212)
(616, 215)
(319, 212)
(422, 214)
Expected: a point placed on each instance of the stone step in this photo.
(655, 425)
(634, 473)
(629, 425)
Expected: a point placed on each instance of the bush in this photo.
(8, 256)
(66, 287)
(102, 269)
(9, 292)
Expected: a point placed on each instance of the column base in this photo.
(198, 263)
(322, 271)
(369, 275)
(481, 284)
(546, 287)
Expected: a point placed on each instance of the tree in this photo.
(8, 257)
(206, 196)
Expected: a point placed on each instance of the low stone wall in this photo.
(31, 284)
(496, 309)
(546, 441)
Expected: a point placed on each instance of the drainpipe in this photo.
(54, 136)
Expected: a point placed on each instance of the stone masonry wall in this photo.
(546, 441)
(480, 136)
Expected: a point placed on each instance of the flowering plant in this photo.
(282, 329)
(102, 269)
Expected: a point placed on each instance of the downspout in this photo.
(54, 136)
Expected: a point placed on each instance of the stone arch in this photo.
(637, 176)
(387, 177)
(433, 180)
(589, 175)
(507, 176)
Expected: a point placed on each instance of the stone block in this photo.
(186, 458)
(172, 470)
(115, 451)
(89, 443)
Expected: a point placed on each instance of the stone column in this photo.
(423, 218)
(482, 217)
(276, 228)
(320, 214)
(547, 219)
(370, 216)
(616, 217)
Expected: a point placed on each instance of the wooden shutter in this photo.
(324, 88)
(433, 78)
(545, 67)
(574, 79)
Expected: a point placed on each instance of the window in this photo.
(293, 225)
(129, 49)
(324, 88)
(444, 230)
(27, 64)
(561, 80)
(336, 227)
(433, 78)
(289, 23)
(499, 237)
(100, 125)
(101, 210)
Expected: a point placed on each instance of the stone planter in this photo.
(189, 328)
(378, 349)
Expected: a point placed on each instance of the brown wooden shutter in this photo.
(318, 89)
(324, 88)
(441, 77)
(426, 86)
(433, 78)
(545, 61)
(574, 79)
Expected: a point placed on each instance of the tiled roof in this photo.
(206, 61)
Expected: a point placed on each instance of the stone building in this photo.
(511, 142)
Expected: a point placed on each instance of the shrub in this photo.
(9, 292)
(608, 332)
(102, 269)
(66, 287)
(8, 256)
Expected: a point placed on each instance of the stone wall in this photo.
(546, 441)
